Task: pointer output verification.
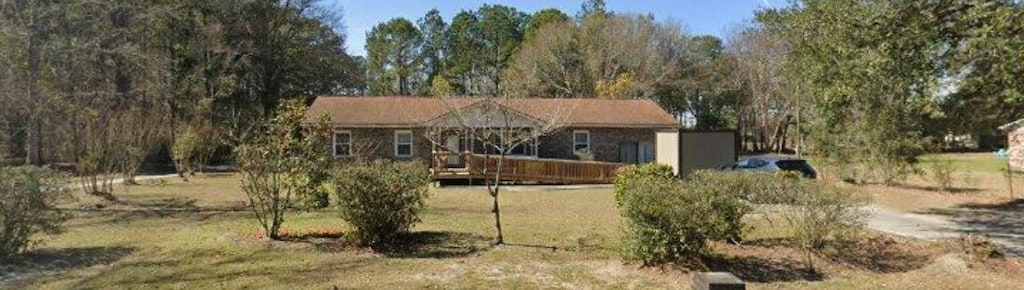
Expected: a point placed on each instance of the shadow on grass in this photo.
(936, 188)
(1004, 221)
(781, 260)
(437, 245)
(134, 210)
(218, 267)
(426, 244)
(756, 269)
(552, 248)
(55, 260)
(879, 254)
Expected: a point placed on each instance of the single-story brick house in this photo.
(1015, 143)
(398, 127)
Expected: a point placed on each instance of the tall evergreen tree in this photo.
(394, 57)
(543, 18)
(462, 63)
(433, 28)
(501, 31)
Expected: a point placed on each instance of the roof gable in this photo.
(484, 113)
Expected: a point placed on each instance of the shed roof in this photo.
(1012, 126)
(391, 111)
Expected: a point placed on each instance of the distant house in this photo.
(1015, 143)
(621, 131)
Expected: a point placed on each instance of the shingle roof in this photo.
(414, 111)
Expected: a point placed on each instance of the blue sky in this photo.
(698, 16)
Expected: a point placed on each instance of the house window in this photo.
(342, 143)
(580, 140)
(403, 143)
(524, 148)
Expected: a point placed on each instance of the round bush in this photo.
(381, 199)
(668, 221)
(629, 173)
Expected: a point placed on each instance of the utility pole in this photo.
(799, 131)
(1009, 177)
(1005, 154)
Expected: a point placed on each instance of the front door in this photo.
(454, 148)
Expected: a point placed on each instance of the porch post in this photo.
(535, 139)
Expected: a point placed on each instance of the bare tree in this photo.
(138, 139)
(761, 63)
(609, 56)
(500, 125)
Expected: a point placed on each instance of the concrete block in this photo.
(717, 281)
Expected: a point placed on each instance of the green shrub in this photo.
(193, 146)
(744, 187)
(277, 165)
(751, 186)
(628, 173)
(381, 199)
(819, 212)
(28, 197)
(940, 172)
(667, 221)
(314, 187)
(816, 211)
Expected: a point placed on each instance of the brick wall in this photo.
(1016, 148)
(376, 143)
(604, 142)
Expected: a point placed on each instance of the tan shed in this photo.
(687, 151)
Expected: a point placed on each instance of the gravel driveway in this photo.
(1002, 224)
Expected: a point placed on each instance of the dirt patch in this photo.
(781, 260)
(978, 252)
(881, 254)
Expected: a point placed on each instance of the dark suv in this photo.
(770, 164)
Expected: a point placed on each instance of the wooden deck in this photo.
(526, 169)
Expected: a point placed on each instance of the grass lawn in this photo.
(174, 234)
(979, 178)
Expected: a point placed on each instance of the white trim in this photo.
(412, 148)
(334, 143)
(574, 143)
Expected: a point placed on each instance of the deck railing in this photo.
(516, 168)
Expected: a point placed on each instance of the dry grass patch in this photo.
(978, 178)
(194, 234)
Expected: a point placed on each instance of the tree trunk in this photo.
(34, 140)
(493, 188)
(799, 133)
